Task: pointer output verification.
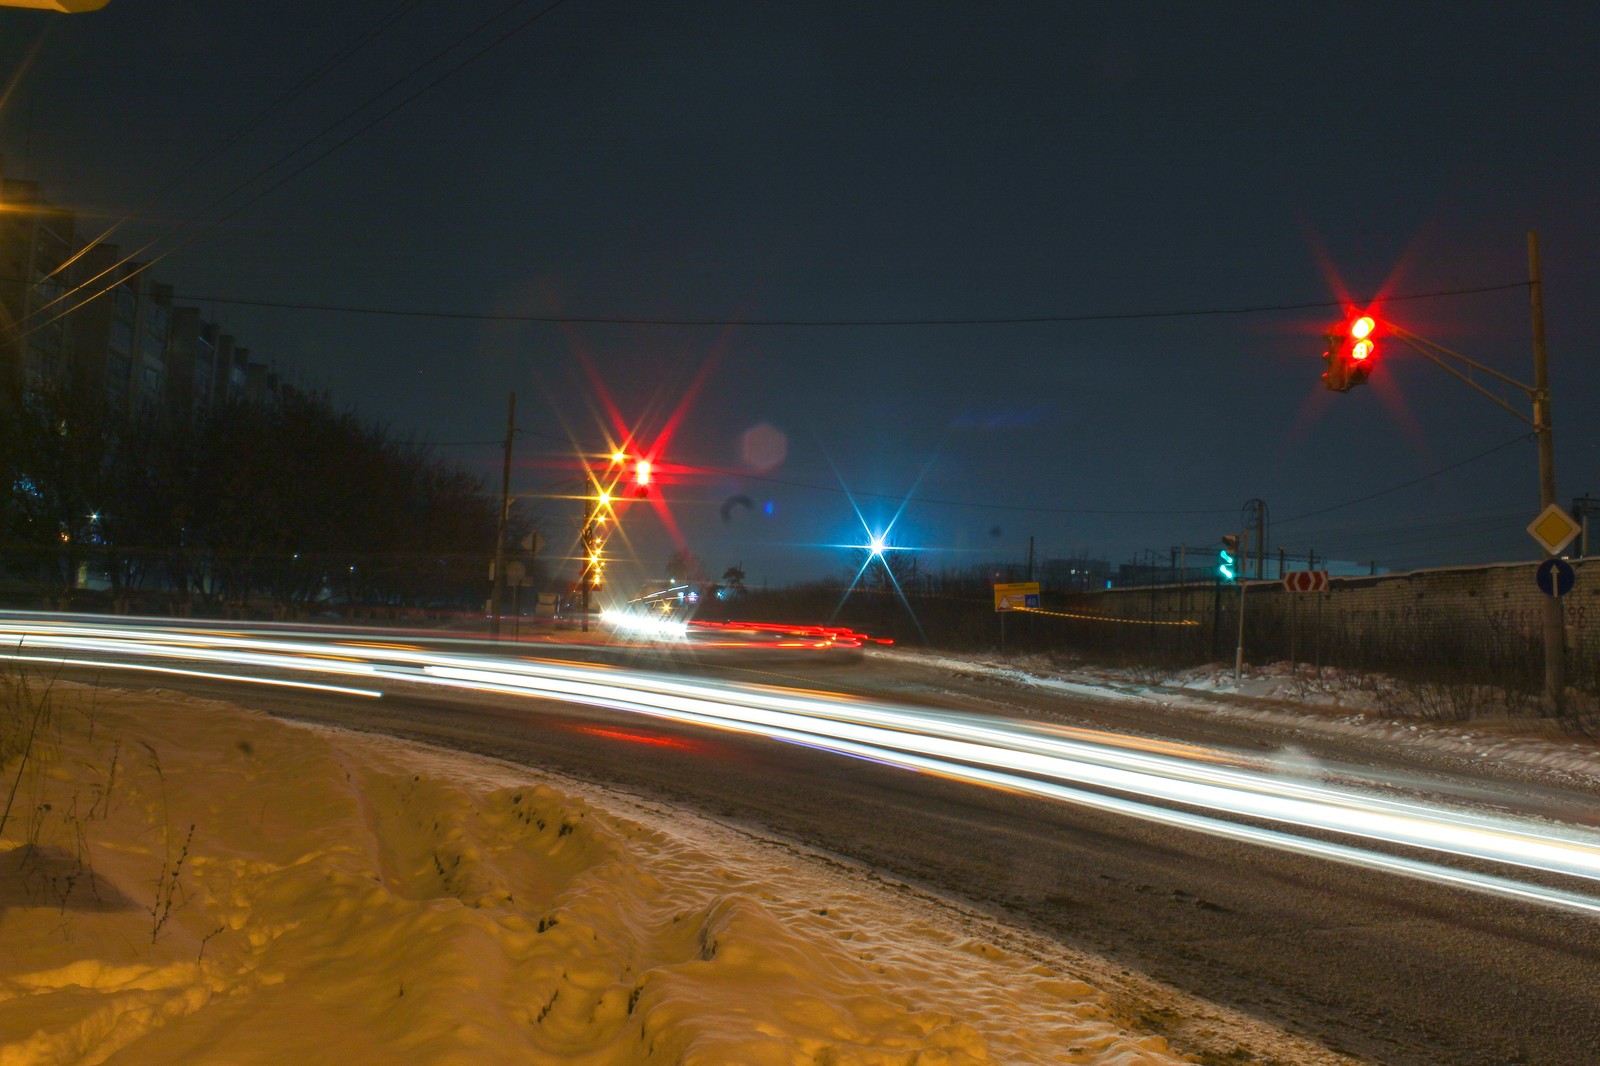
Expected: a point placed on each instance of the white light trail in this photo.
(243, 678)
(1150, 780)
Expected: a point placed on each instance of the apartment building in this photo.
(74, 311)
(36, 240)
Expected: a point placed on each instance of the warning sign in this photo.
(1016, 596)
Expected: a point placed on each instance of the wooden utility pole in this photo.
(505, 513)
(1555, 641)
(1555, 636)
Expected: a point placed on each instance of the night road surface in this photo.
(1396, 969)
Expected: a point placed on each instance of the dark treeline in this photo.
(284, 505)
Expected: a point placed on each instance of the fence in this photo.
(1473, 624)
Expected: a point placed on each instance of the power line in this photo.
(842, 491)
(1414, 481)
(361, 40)
(835, 323)
(512, 32)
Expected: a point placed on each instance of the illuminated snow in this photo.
(348, 898)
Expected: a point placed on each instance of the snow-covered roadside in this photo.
(210, 885)
(1277, 695)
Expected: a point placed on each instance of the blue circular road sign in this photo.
(1555, 577)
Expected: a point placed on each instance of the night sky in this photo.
(848, 162)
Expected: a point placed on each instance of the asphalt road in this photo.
(1389, 969)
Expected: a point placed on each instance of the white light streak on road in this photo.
(1123, 775)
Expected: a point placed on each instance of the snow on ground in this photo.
(182, 881)
(1281, 695)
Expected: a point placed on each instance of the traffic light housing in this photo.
(1230, 559)
(1348, 356)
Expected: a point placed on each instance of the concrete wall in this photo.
(1479, 622)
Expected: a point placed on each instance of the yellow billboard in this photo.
(1016, 595)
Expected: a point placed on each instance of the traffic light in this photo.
(1348, 356)
(1230, 558)
(641, 478)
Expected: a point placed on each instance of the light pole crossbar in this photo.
(1433, 352)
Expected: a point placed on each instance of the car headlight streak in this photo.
(1154, 784)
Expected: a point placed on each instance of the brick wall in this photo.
(1477, 623)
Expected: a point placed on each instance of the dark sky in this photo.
(847, 161)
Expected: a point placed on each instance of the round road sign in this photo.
(1555, 577)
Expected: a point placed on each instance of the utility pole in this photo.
(1555, 637)
(1555, 641)
(505, 513)
(590, 499)
(1238, 651)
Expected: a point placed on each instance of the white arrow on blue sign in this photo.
(1555, 577)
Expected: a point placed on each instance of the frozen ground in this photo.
(1334, 702)
(182, 881)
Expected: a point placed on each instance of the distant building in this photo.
(36, 239)
(1073, 575)
(118, 339)
(118, 333)
(191, 360)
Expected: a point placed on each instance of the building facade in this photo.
(77, 312)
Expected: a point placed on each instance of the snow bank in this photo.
(1284, 696)
(185, 882)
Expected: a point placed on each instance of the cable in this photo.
(1414, 481)
(283, 99)
(310, 163)
(623, 320)
(840, 490)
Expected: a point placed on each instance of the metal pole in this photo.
(1317, 637)
(505, 513)
(1555, 638)
(1238, 652)
(1261, 538)
(586, 578)
(1294, 625)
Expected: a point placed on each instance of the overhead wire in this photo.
(282, 100)
(359, 131)
(1520, 438)
(626, 320)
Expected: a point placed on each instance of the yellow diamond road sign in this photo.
(1554, 529)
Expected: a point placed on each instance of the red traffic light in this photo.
(1349, 353)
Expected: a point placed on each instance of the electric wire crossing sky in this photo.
(1129, 776)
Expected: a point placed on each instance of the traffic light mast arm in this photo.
(1438, 353)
